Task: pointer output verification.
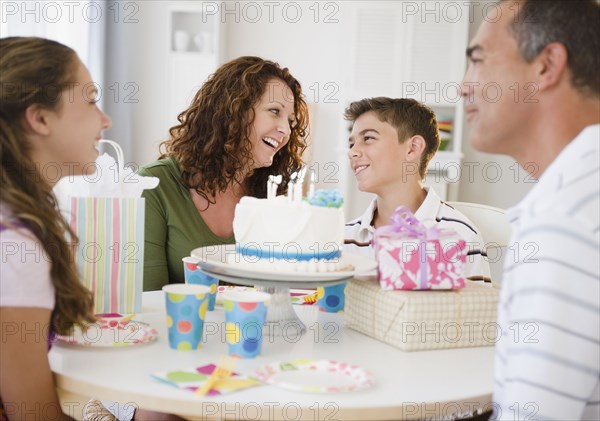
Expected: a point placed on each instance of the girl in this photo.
(49, 128)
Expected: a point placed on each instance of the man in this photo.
(532, 91)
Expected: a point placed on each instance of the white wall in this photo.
(316, 42)
(60, 20)
(313, 41)
(314, 48)
(137, 54)
(317, 51)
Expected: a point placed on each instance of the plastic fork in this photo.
(222, 371)
(127, 319)
(310, 298)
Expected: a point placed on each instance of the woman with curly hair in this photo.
(49, 127)
(248, 121)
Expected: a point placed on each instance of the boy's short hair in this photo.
(408, 116)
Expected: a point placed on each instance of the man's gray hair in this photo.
(573, 23)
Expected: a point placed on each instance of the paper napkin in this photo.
(192, 379)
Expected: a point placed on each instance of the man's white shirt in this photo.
(547, 363)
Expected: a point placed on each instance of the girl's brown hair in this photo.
(37, 71)
(211, 143)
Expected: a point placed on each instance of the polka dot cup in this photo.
(245, 316)
(186, 309)
(194, 276)
(331, 299)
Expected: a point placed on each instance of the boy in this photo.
(391, 144)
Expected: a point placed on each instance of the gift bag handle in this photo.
(120, 155)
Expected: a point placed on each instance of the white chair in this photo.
(491, 222)
(494, 228)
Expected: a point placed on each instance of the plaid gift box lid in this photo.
(420, 320)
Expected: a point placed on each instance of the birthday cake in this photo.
(279, 233)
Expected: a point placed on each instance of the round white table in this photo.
(408, 385)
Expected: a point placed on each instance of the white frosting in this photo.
(279, 227)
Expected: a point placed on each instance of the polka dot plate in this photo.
(110, 333)
(317, 376)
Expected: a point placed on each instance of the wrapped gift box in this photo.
(412, 256)
(406, 264)
(419, 320)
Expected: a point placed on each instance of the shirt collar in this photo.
(427, 211)
(367, 218)
(561, 170)
(430, 207)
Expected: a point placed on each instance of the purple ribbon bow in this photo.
(405, 223)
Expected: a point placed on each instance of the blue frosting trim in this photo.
(291, 254)
(326, 198)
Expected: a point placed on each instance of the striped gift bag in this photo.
(110, 253)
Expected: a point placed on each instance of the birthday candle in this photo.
(300, 184)
(276, 182)
(291, 187)
(311, 186)
(302, 174)
(270, 187)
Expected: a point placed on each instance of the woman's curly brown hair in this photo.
(212, 142)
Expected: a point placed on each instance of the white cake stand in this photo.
(281, 317)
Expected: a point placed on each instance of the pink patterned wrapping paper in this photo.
(414, 257)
